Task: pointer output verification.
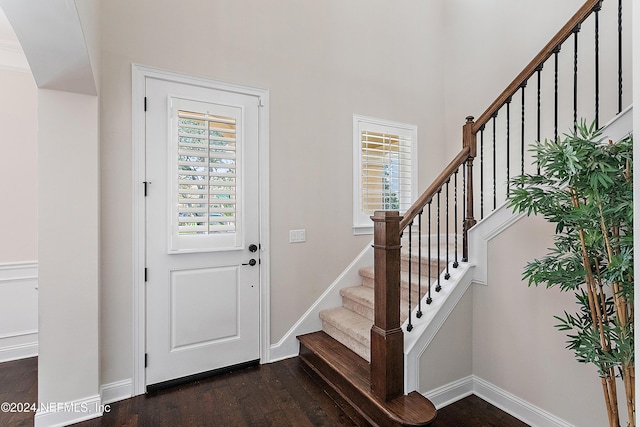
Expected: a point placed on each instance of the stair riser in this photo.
(356, 345)
(365, 309)
(358, 307)
(404, 285)
(367, 312)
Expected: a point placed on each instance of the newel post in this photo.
(468, 140)
(387, 340)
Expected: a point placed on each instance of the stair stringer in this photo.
(433, 317)
(310, 321)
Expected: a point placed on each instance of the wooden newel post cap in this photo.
(386, 216)
(470, 119)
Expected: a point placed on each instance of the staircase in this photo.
(351, 323)
(360, 352)
(341, 352)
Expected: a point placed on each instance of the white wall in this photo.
(18, 167)
(322, 62)
(68, 364)
(488, 44)
(449, 357)
(19, 194)
(515, 344)
(68, 202)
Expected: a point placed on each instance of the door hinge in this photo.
(146, 360)
(145, 103)
(145, 274)
(260, 104)
(145, 187)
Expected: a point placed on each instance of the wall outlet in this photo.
(297, 236)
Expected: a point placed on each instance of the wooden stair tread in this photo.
(349, 375)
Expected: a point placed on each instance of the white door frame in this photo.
(139, 74)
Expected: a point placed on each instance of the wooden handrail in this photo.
(578, 18)
(427, 196)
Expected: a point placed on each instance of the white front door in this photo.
(202, 230)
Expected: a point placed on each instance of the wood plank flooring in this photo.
(277, 394)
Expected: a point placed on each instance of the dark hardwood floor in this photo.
(277, 394)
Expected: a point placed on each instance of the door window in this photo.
(205, 204)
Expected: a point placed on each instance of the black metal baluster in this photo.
(524, 85)
(419, 313)
(447, 275)
(409, 325)
(438, 287)
(576, 30)
(619, 56)
(455, 217)
(481, 172)
(596, 11)
(429, 300)
(508, 102)
(464, 210)
(556, 51)
(494, 160)
(538, 119)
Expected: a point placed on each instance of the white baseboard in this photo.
(515, 406)
(18, 346)
(451, 393)
(116, 391)
(508, 402)
(63, 414)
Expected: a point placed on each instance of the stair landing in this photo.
(349, 375)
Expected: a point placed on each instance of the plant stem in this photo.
(608, 377)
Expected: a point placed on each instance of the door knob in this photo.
(251, 262)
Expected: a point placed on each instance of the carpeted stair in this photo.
(351, 323)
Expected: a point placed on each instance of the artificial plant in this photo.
(585, 188)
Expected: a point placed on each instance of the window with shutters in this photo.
(205, 202)
(384, 170)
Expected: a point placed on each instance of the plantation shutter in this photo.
(207, 174)
(385, 171)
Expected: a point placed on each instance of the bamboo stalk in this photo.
(621, 310)
(607, 402)
(629, 391)
(613, 396)
(619, 301)
(608, 378)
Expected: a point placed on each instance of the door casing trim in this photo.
(139, 74)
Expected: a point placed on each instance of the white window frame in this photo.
(362, 223)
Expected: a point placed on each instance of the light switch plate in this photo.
(297, 236)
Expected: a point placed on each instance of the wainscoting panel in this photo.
(18, 310)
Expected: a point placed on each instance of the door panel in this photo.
(214, 309)
(202, 213)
